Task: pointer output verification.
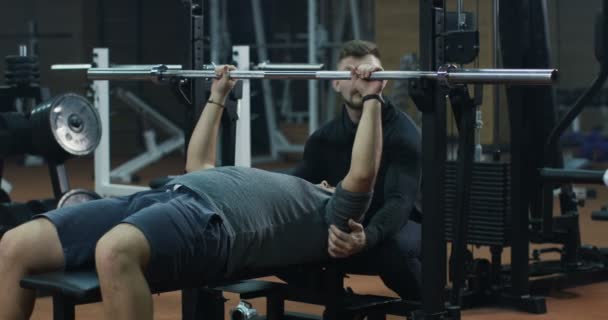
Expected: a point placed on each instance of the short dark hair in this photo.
(359, 49)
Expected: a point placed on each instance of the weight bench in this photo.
(69, 289)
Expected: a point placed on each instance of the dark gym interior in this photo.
(509, 97)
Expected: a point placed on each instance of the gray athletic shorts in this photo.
(189, 244)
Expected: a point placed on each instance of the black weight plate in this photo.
(23, 66)
(66, 125)
(21, 74)
(20, 59)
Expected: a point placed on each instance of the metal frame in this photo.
(313, 86)
(495, 64)
(432, 24)
(355, 18)
(103, 172)
(154, 151)
(242, 153)
(276, 139)
(524, 115)
(433, 170)
(5, 185)
(101, 100)
(337, 35)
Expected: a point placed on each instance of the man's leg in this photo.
(399, 262)
(396, 261)
(121, 256)
(33, 247)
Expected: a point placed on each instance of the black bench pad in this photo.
(84, 285)
(81, 285)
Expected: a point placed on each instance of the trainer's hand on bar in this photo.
(361, 79)
(223, 84)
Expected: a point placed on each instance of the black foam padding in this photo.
(80, 285)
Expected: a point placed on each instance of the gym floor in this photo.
(586, 302)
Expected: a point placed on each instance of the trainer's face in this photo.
(326, 186)
(345, 87)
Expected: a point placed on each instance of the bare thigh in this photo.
(124, 239)
(34, 246)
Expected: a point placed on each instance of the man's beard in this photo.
(354, 102)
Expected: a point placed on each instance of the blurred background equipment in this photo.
(39, 128)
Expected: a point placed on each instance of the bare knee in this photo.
(33, 246)
(122, 249)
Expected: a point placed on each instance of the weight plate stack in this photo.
(65, 126)
(22, 71)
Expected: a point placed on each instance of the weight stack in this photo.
(489, 221)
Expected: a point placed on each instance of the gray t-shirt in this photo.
(274, 219)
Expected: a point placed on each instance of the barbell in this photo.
(448, 75)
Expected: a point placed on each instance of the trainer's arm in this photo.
(203, 143)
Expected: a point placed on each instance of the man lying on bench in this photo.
(204, 225)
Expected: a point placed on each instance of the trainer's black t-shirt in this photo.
(327, 156)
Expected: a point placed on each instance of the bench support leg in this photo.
(63, 308)
(376, 316)
(202, 304)
(275, 306)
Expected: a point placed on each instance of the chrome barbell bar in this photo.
(448, 75)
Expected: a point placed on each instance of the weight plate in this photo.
(77, 196)
(20, 59)
(73, 121)
(22, 74)
(23, 66)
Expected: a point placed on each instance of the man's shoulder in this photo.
(403, 130)
(329, 131)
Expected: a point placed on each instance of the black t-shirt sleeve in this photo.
(310, 168)
(345, 205)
